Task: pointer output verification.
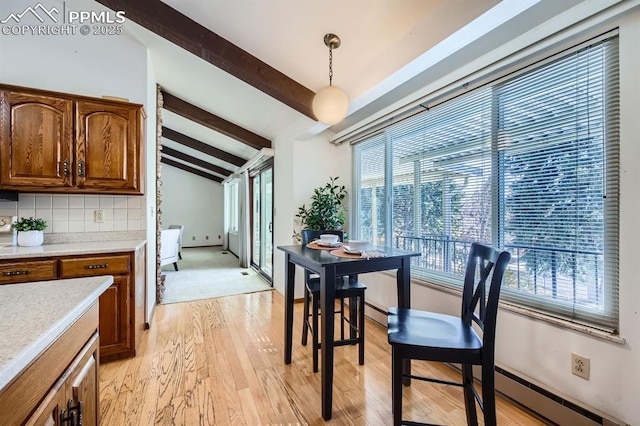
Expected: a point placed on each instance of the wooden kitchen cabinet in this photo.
(74, 395)
(35, 270)
(82, 388)
(48, 412)
(58, 142)
(116, 314)
(121, 316)
(65, 374)
(115, 319)
(107, 146)
(36, 140)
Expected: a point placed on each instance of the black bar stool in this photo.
(345, 289)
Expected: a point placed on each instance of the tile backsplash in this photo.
(75, 213)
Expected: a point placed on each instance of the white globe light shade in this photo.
(330, 105)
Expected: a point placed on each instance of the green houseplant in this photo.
(327, 209)
(30, 224)
(30, 231)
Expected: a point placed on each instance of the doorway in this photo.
(261, 186)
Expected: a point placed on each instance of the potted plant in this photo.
(326, 212)
(30, 231)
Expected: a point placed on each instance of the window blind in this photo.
(557, 130)
(529, 163)
(441, 175)
(371, 200)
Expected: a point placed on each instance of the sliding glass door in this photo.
(262, 220)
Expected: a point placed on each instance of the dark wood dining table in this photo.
(328, 267)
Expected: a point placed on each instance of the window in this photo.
(233, 206)
(372, 198)
(529, 163)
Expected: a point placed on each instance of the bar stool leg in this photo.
(305, 322)
(361, 328)
(316, 332)
(342, 318)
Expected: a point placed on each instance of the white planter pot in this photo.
(30, 238)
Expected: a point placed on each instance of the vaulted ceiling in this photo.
(238, 74)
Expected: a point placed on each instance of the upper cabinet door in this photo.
(36, 139)
(108, 147)
(58, 142)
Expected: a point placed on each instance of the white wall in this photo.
(85, 65)
(309, 164)
(283, 205)
(195, 202)
(150, 183)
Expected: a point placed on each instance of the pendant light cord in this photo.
(330, 65)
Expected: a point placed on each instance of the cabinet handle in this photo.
(63, 419)
(75, 410)
(99, 266)
(67, 420)
(66, 168)
(12, 273)
(81, 168)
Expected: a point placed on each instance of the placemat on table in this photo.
(341, 253)
(316, 246)
(364, 254)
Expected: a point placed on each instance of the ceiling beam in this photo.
(202, 147)
(181, 30)
(191, 112)
(191, 170)
(195, 161)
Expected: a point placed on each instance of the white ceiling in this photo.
(389, 49)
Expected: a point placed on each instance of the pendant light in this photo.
(330, 105)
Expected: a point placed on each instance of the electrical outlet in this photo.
(580, 366)
(98, 216)
(193, 238)
(206, 238)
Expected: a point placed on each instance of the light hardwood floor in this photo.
(220, 361)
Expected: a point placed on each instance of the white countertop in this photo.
(34, 315)
(65, 249)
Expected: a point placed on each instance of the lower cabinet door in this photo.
(50, 409)
(115, 317)
(83, 383)
(73, 400)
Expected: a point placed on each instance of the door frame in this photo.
(252, 173)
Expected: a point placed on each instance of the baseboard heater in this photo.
(553, 407)
(547, 404)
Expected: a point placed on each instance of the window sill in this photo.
(591, 331)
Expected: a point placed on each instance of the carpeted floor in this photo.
(207, 272)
